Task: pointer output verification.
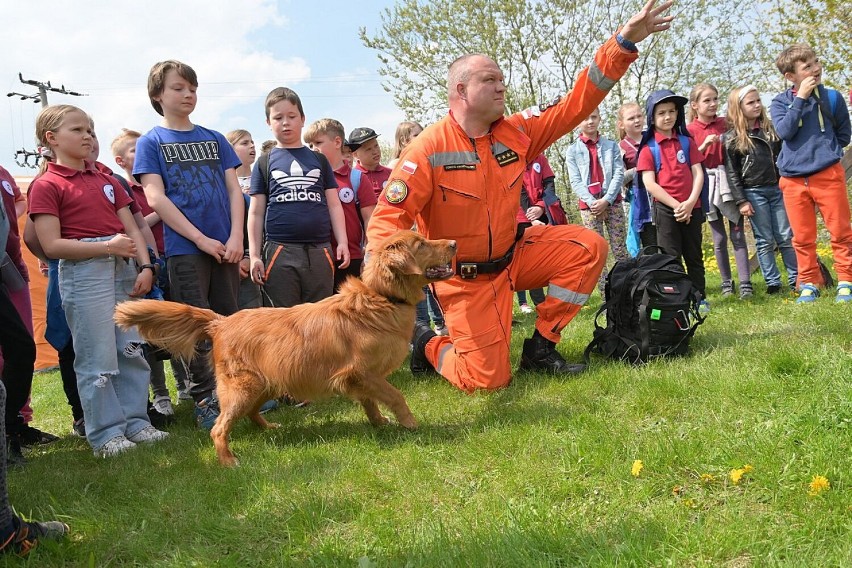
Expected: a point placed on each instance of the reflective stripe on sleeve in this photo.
(597, 77)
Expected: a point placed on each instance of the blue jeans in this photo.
(428, 309)
(112, 374)
(771, 227)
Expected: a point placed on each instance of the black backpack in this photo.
(651, 310)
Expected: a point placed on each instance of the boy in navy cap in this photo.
(365, 147)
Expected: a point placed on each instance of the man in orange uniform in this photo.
(461, 179)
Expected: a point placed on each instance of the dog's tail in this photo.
(174, 327)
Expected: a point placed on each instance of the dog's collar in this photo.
(395, 300)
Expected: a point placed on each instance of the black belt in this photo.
(470, 270)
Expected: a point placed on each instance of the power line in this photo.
(22, 156)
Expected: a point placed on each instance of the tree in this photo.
(541, 45)
(824, 25)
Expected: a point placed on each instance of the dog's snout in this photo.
(452, 244)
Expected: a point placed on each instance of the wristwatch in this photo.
(152, 266)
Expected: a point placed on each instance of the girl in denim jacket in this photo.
(596, 172)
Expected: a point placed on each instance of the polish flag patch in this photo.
(409, 167)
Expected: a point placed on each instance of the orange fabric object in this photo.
(826, 190)
(469, 191)
(566, 258)
(46, 356)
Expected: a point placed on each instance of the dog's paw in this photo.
(409, 424)
(272, 425)
(380, 420)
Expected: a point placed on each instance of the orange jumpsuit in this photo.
(455, 187)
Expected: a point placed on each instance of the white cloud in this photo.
(240, 51)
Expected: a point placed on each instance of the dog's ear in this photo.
(405, 263)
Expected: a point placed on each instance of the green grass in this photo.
(538, 474)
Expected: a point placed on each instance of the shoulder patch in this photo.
(507, 157)
(544, 106)
(396, 191)
(528, 113)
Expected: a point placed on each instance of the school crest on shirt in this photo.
(346, 195)
(396, 191)
(109, 191)
(537, 168)
(681, 157)
(8, 187)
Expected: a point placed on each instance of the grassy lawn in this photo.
(538, 474)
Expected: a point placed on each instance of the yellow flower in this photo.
(818, 485)
(707, 478)
(736, 475)
(637, 468)
(748, 468)
(690, 503)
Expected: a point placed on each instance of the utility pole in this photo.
(22, 156)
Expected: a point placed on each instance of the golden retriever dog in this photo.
(346, 344)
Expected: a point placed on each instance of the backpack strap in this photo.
(655, 153)
(355, 182)
(123, 183)
(263, 164)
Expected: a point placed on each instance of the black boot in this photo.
(14, 454)
(540, 354)
(419, 364)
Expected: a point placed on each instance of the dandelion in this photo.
(736, 475)
(818, 485)
(748, 468)
(707, 478)
(690, 503)
(637, 468)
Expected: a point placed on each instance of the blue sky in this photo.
(240, 50)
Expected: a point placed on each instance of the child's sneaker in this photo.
(163, 405)
(79, 428)
(26, 534)
(183, 394)
(727, 288)
(746, 290)
(206, 413)
(773, 289)
(808, 294)
(441, 331)
(844, 292)
(115, 446)
(526, 309)
(148, 434)
(704, 307)
(268, 406)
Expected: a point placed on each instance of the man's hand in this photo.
(647, 21)
(746, 209)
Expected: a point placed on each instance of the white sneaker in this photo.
(148, 434)
(442, 331)
(163, 405)
(183, 394)
(527, 309)
(115, 446)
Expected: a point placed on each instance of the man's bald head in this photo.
(461, 68)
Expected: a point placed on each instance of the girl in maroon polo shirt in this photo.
(707, 129)
(83, 219)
